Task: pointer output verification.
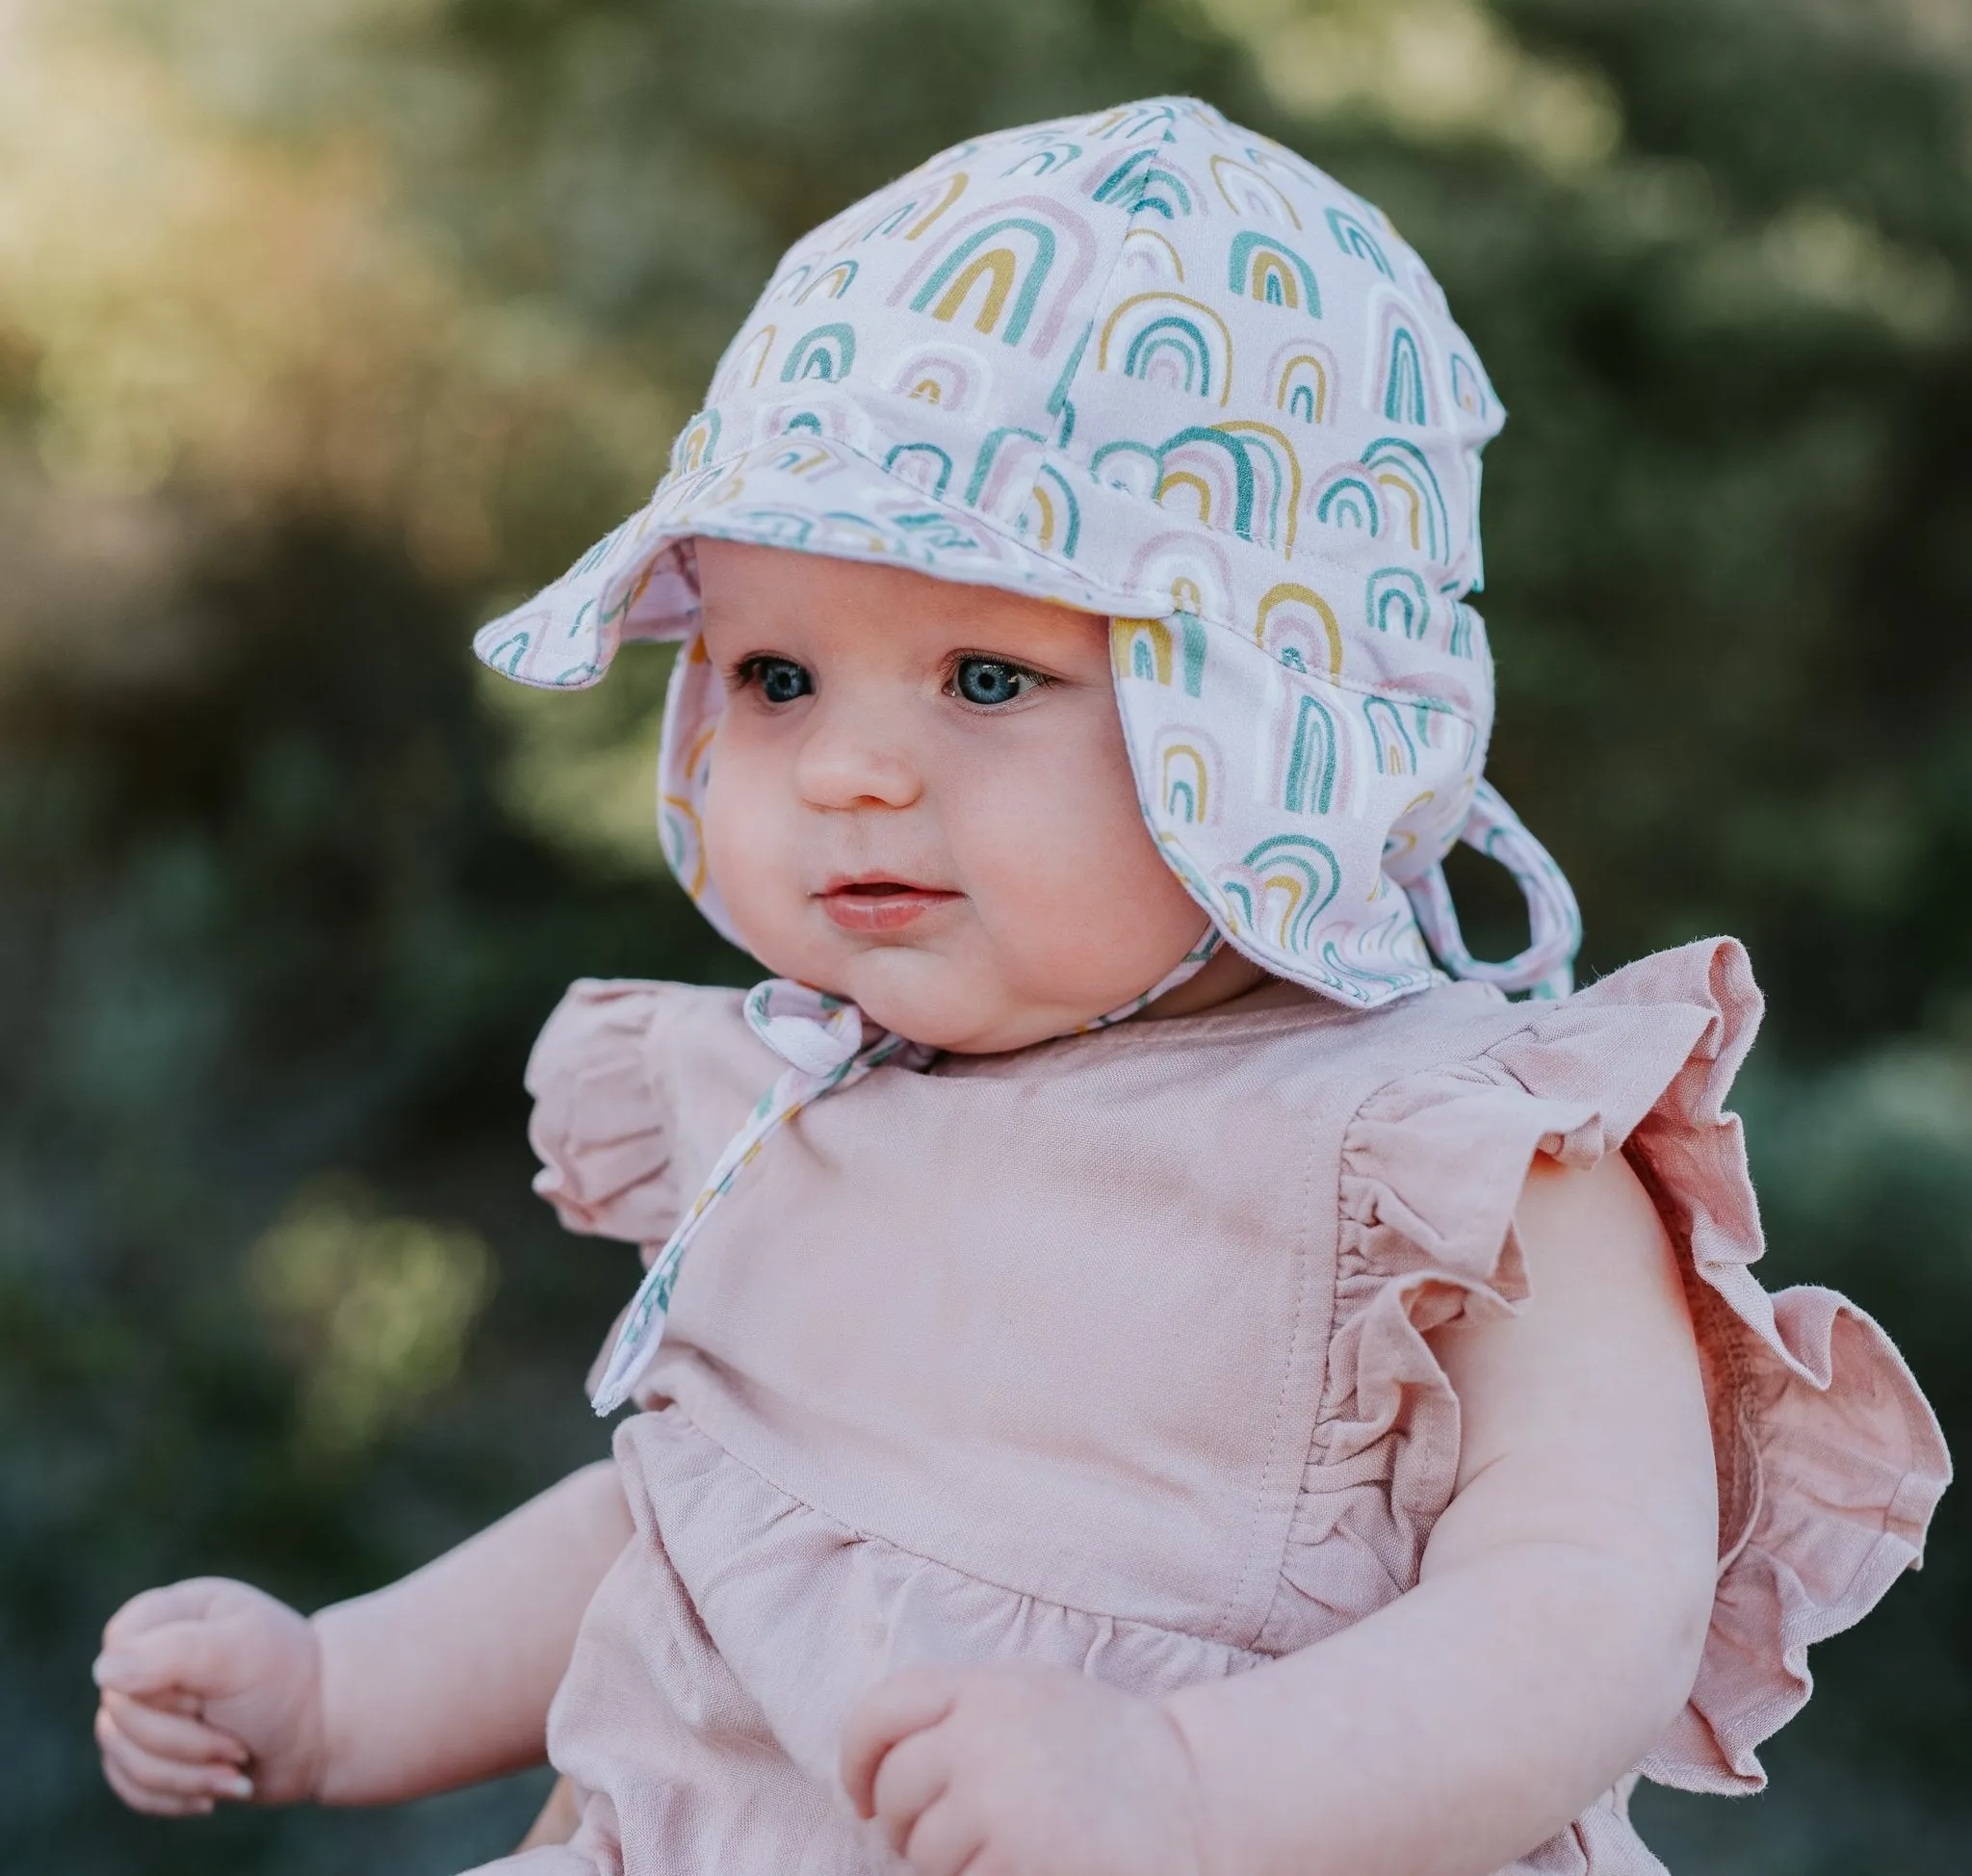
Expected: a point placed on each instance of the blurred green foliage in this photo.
(324, 330)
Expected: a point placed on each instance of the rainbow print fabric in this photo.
(1153, 365)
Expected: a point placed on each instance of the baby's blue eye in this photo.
(989, 681)
(781, 680)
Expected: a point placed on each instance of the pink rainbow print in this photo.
(1300, 628)
(949, 376)
(1191, 571)
(741, 366)
(1246, 191)
(1147, 252)
(1303, 378)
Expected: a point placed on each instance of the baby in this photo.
(1139, 1371)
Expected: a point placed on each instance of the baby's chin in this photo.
(930, 1000)
(959, 1019)
(978, 1032)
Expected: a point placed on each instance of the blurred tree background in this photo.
(327, 329)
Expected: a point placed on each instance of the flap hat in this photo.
(1147, 364)
(1156, 366)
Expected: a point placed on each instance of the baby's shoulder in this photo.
(1617, 1046)
(637, 1083)
(636, 1028)
(1435, 1154)
(1614, 1046)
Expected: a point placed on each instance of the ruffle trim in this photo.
(598, 1125)
(808, 1613)
(1831, 1461)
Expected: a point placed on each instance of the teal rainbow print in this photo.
(827, 353)
(1143, 184)
(1399, 602)
(1404, 473)
(1052, 515)
(1148, 651)
(1349, 498)
(925, 464)
(1169, 338)
(1282, 888)
(1266, 269)
(1052, 155)
(831, 283)
(1402, 389)
(1353, 238)
(1389, 741)
(1315, 756)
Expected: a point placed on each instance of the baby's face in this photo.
(919, 800)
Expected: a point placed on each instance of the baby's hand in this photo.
(1022, 1771)
(210, 1689)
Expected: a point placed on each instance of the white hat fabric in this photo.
(1155, 366)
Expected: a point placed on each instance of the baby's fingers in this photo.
(153, 1804)
(193, 1656)
(189, 1601)
(165, 1788)
(909, 1701)
(173, 1734)
(945, 1841)
(914, 1775)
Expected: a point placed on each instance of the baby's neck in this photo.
(1229, 975)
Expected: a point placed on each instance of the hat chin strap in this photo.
(1554, 921)
(827, 1044)
(1184, 970)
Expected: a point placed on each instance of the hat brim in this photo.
(805, 492)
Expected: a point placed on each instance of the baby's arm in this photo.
(1565, 1597)
(212, 1689)
(1553, 1636)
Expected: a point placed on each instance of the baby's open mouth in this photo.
(878, 903)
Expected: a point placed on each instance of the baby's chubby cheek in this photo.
(1070, 886)
(753, 852)
(1070, 912)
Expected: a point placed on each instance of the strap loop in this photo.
(1554, 921)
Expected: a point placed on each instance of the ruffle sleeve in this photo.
(1831, 1461)
(602, 1125)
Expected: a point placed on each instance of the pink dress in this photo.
(1110, 1353)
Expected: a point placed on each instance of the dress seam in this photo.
(675, 1409)
(1296, 1355)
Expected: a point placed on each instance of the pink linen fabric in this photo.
(1111, 1353)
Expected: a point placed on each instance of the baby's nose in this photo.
(848, 761)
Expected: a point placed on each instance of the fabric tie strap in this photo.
(827, 1044)
(1554, 921)
(822, 1041)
